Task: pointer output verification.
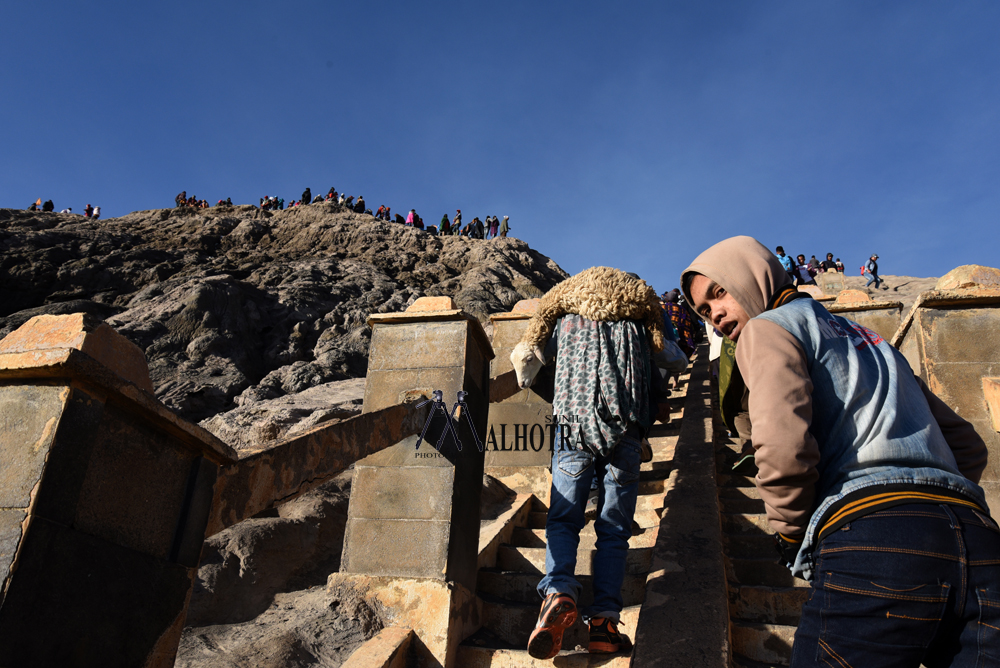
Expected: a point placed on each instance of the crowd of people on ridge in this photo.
(47, 207)
(803, 272)
(491, 228)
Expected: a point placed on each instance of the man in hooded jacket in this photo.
(869, 480)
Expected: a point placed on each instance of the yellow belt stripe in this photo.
(878, 499)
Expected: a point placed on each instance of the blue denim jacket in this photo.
(870, 417)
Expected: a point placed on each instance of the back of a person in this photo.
(891, 434)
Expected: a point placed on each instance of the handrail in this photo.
(503, 387)
(289, 468)
(260, 479)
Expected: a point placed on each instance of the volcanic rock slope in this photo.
(233, 305)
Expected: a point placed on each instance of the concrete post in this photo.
(412, 537)
(880, 317)
(521, 434)
(951, 338)
(104, 496)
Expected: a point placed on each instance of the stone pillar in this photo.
(104, 496)
(951, 338)
(831, 282)
(521, 435)
(412, 537)
(880, 317)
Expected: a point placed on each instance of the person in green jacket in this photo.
(445, 224)
(504, 227)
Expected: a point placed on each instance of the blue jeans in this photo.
(918, 583)
(572, 473)
(875, 278)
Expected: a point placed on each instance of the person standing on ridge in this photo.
(828, 264)
(504, 227)
(871, 267)
(97, 212)
(786, 262)
(307, 196)
(445, 224)
(803, 272)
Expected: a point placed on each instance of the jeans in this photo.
(917, 583)
(875, 278)
(572, 473)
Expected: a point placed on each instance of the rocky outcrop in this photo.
(259, 598)
(233, 305)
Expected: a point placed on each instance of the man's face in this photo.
(716, 305)
(802, 259)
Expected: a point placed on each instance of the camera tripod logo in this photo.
(449, 425)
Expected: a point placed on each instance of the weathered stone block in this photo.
(29, 416)
(399, 547)
(104, 496)
(991, 391)
(853, 296)
(880, 317)
(426, 345)
(520, 430)
(135, 486)
(87, 334)
(968, 334)
(431, 304)
(78, 600)
(388, 388)
(416, 513)
(952, 340)
(388, 489)
(10, 537)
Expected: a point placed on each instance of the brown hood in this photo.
(745, 268)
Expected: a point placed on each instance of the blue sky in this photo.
(631, 134)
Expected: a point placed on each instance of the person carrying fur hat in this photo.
(868, 479)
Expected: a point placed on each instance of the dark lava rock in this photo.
(233, 305)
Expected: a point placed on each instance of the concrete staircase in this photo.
(764, 599)
(511, 603)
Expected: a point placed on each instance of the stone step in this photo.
(522, 587)
(732, 480)
(513, 622)
(658, 467)
(741, 662)
(741, 504)
(470, 656)
(588, 537)
(760, 572)
(753, 523)
(646, 518)
(749, 546)
(532, 560)
(652, 486)
(739, 492)
(769, 644)
(767, 605)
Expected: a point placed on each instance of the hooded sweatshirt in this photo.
(837, 413)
